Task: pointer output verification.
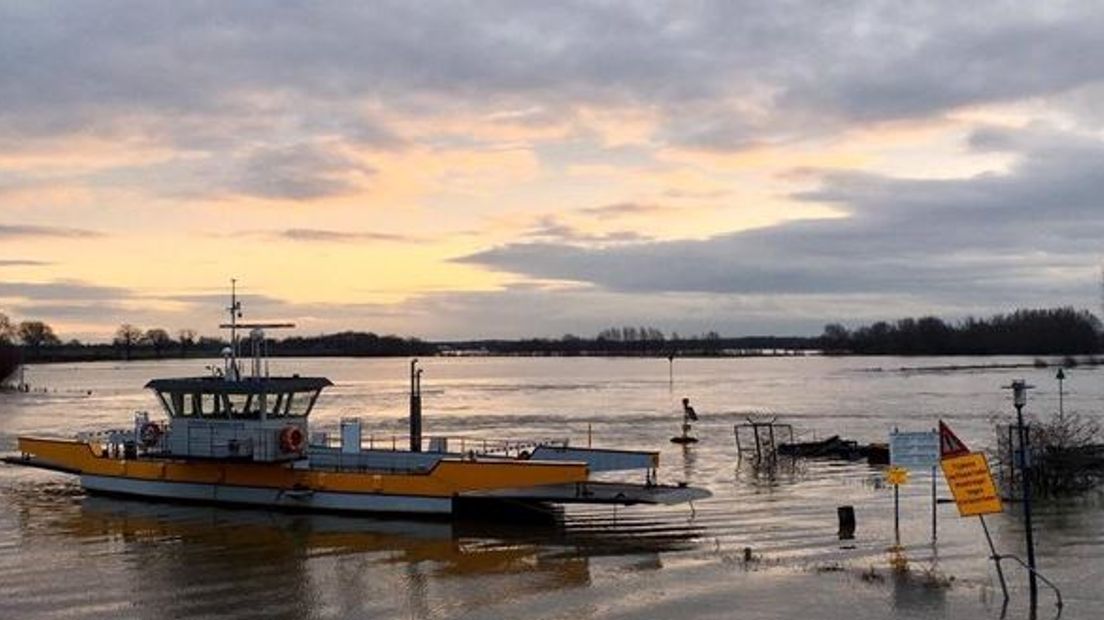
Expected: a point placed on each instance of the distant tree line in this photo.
(354, 344)
(633, 341)
(35, 341)
(1056, 331)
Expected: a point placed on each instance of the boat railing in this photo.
(126, 442)
(464, 444)
(446, 444)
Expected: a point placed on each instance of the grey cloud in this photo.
(621, 208)
(699, 195)
(335, 236)
(1031, 234)
(259, 305)
(298, 172)
(917, 59)
(19, 231)
(63, 290)
(550, 228)
(82, 311)
(20, 262)
(715, 127)
(724, 74)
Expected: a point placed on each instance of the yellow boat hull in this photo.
(283, 485)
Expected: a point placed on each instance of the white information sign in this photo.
(914, 450)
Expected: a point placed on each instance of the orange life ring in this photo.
(291, 439)
(150, 433)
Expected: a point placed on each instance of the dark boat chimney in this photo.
(415, 406)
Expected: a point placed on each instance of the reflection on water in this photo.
(188, 560)
(689, 460)
(62, 554)
(769, 473)
(918, 588)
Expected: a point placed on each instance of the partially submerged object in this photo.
(836, 447)
(761, 434)
(759, 437)
(237, 439)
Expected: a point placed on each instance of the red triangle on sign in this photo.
(949, 443)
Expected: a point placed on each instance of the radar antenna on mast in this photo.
(256, 337)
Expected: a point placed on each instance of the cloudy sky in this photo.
(503, 169)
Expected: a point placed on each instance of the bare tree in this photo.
(159, 338)
(7, 330)
(36, 334)
(186, 337)
(127, 336)
(1066, 455)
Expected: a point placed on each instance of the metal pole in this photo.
(1025, 470)
(897, 514)
(755, 428)
(995, 557)
(934, 502)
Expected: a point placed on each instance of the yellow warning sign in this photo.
(897, 475)
(971, 484)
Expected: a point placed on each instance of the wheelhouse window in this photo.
(177, 400)
(209, 405)
(169, 411)
(276, 405)
(301, 403)
(241, 405)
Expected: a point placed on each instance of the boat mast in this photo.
(259, 346)
(235, 313)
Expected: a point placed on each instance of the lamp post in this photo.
(1019, 399)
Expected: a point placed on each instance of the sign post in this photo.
(935, 502)
(920, 452)
(972, 486)
(897, 476)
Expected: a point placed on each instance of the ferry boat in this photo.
(233, 437)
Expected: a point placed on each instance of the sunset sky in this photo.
(505, 169)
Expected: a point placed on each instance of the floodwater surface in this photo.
(764, 546)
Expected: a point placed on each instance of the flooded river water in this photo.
(63, 554)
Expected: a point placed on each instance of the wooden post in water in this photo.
(846, 516)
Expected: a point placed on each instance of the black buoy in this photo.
(846, 522)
